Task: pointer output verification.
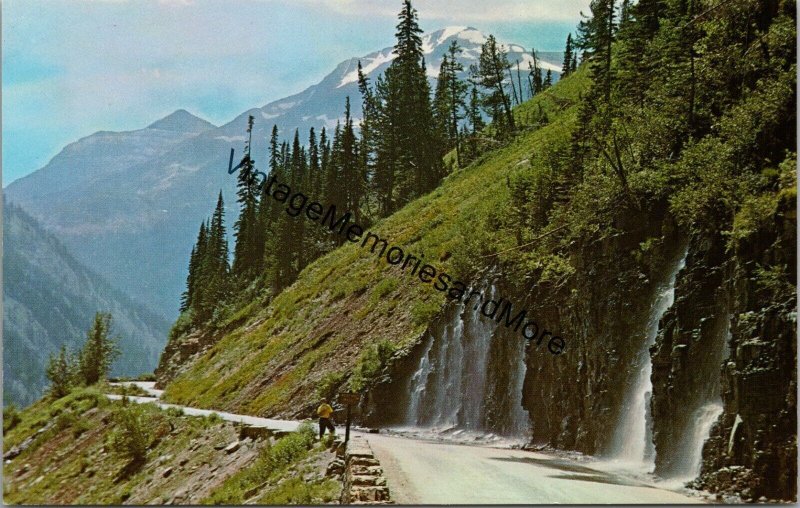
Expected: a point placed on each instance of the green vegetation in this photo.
(299, 336)
(95, 451)
(10, 417)
(90, 365)
(660, 116)
(47, 413)
(270, 467)
(131, 435)
(371, 363)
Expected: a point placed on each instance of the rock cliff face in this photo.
(752, 448)
(723, 359)
(576, 400)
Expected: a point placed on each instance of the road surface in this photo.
(255, 421)
(421, 471)
(424, 472)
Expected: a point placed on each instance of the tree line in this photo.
(372, 168)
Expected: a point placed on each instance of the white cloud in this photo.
(473, 11)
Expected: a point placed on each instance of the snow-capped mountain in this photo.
(128, 204)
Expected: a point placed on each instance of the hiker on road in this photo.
(324, 411)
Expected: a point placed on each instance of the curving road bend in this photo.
(421, 471)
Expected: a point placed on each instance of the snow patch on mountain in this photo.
(472, 35)
(434, 46)
(368, 65)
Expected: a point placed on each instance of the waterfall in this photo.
(467, 379)
(707, 404)
(633, 438)
(702, 420)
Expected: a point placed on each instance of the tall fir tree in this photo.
(214, 265)
(409, 125)
(247, 259)
(566, 67)
(493, 64)
(458, 93)
(596, 36)
(537, 81)
(192, 279)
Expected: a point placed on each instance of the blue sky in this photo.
(71, 68)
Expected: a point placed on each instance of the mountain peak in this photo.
(182, 121)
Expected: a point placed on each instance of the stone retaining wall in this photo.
(362, 476)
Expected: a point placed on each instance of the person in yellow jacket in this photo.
(324, 411)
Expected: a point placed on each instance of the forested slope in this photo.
(271, 356)
(644, 210)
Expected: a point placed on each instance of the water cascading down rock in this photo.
(463, 378)
(633, 437)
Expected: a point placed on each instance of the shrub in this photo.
(130, 437)
(272, 461)
(182, 325)
(330, 382)
(424, 311)
(11, 417)
(79, 426)
(290, 448)
(65, 420)
(61, 372)
(295, 491)
(383, 288)
(371, 363)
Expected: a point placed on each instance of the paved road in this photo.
(420, 472)
(426, 472)
(255, 421)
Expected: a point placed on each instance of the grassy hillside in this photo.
(325, 330)
(70, 457)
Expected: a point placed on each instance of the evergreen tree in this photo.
(596, 36)
(458, 93)
(195, 259)
(386, 148)
(493, 65)
(61, 373)
(535, 74)
(548, 80)
(441, 104)
(566, 67)
(475, 120)
(409, 125)
(370, 116)
(247, 255)
(519, 83)
(214, 265)
(638, 28)
(269, 213)
(99, 352)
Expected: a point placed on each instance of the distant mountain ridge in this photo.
(129, 204)
(50, 299)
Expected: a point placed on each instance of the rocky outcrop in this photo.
(725, 351)
(688, 354)
(752, 450)
(180, 352)
(575, 399)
